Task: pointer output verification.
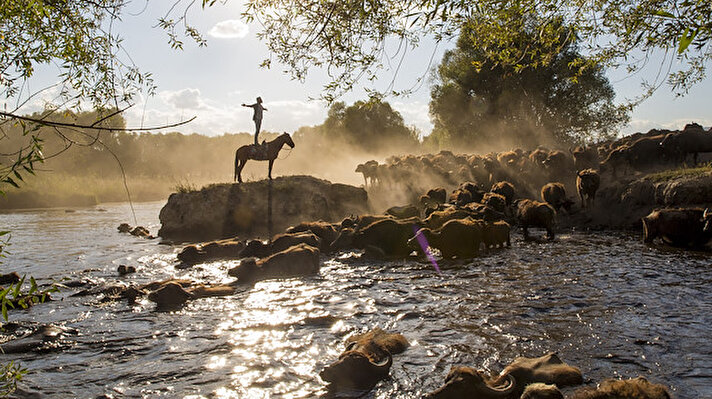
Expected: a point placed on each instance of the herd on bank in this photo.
(485, 197)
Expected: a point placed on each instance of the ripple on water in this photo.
(604, 301)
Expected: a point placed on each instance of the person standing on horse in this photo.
(257, 117)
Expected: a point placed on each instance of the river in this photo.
(604, 301)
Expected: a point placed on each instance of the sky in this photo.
(211, 82)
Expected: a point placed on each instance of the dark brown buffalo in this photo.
(587, 183)
(467, 382)
(299, 260)
(639, 154)
(497, 234)
(385, 238)
(459, 238)
(259, 249)
(504, 188)
(691, 140)
(539, 390)
(616, 160)
(636, 388)
(585, 157)
(366, 360)
(496, 201)
(680, 227)
(327, 232)
(535, 214)
(403, 212)
(370, 172)
(215, 250)
(554, 194)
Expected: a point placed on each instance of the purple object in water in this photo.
(426, 248)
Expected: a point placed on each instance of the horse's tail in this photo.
(234, 178)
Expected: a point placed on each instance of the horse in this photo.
(266, 152)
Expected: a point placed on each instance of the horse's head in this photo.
(288, 139)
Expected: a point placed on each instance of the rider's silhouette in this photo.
(257, 117)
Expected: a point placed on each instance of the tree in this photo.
(371, 125)
(347, 37)
(477, 101)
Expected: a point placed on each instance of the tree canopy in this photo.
(478, 101)
(347, 37)
(371, 125)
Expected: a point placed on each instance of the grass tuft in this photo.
(672, 174)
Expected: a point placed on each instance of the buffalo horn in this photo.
(706, 214)
(504, 391)
(384, 365)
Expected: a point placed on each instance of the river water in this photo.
(604, 301)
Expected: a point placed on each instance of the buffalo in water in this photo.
(459, 238)
(299, 260)
(366, 360)
(679, 227)
(636, 388)
(587, 183)
(535, 214)
(554, 194)
(466, 382)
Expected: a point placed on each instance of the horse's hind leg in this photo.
(241, 164)
(269, 172)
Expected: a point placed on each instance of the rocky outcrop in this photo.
(229, 210)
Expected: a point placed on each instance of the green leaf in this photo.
(33, 285)
(663, 13)
(686, 39)
(4, 311)
(11, 182)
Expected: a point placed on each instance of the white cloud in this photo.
(415, 113)
(229, 29)
(184, 99)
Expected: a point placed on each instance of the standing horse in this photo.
(265, 152)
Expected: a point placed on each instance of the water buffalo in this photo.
(497, 234)
(554, 194)
(504, 188)
(496, 201)
(327, 232)
(539, 390)
(403, 212)
(370, 172)
(680, 227)
(437, 195)
(585, 157)
(366, 360)
(459, 238)
(299, 260)
(616, 160)
(691, 140)
(215, 250)
(636, 388)
(548, 369)
(587, 183)
(256, 248)
(386, 238)
(535, 214)
(438, 218)
(467, 382)
(171, 295)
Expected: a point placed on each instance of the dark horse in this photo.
(266, 152)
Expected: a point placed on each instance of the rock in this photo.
(9, 278)
(228, 210)
(688, 191)
(140, 231)
(124, 228)
(639, 192)
(124, 270)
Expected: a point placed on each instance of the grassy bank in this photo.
(672, 174)
(48, 190)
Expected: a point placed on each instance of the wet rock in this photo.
(170, 295)
(228, 210)
(687, 191)
(639, 192)
(9, 278)
(36, 338)
(124, 270)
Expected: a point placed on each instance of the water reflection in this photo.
(605, 302)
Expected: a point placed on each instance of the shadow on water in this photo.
(604, 301)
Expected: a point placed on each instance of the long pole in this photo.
(269, 209)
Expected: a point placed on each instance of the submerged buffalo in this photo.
(466, 382)
(366, 360)
(680, 227)
(299, 260)
(459, 238)
(636, 388)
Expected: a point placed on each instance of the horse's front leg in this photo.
(269, 173)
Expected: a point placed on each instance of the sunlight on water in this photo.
(605, 302)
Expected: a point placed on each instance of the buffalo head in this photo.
(356, 370)
(707, 219)
(466, 382)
